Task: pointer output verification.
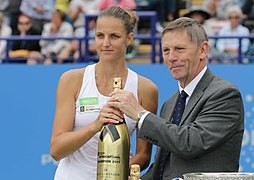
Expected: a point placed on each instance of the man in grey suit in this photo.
(209, 135)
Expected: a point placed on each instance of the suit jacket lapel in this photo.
(197, 93)
(168, 108)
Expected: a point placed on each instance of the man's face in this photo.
(184, 58)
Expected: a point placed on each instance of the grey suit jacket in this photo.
(209, 136)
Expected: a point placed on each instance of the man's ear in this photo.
(204, 48)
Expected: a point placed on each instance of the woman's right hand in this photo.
(108, 115)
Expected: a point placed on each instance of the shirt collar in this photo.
(192, 85)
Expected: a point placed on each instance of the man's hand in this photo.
(126, 102)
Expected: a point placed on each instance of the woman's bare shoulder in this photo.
(148, 94)
(145, 83)
(73, 75)
(72, 78)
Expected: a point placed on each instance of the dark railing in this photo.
(240, 38)
(153, 37)
(151, 15)
(7, 58)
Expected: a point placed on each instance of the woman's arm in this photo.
(64, 140)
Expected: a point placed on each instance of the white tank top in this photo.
(82, 164)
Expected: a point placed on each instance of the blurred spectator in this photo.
(248, 11)
(153, 5)
(131, 4)
(5, 31)
(28, 49)
(72, 50)
(218, 11)
(4, 4)
(56, 28)
(78, 9)
(40, 11)
(230, 46)
(218, 8)
(167, 10)
(171, 10)
(12, 13)
(62, 5)
(200, 14)
(160, 8)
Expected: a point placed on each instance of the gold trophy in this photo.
(114, 149)
(135, 172)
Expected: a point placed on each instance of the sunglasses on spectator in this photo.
(23, 23)
(234, 17)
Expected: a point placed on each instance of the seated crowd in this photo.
(61, 26)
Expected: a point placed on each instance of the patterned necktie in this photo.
(179, 108)
(177, 115)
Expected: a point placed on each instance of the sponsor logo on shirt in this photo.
(89, 104)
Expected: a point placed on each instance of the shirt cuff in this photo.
(140, 122)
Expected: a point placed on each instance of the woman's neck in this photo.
(110, 70)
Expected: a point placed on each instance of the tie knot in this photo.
(183, 94)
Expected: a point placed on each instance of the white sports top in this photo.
(82, 164)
